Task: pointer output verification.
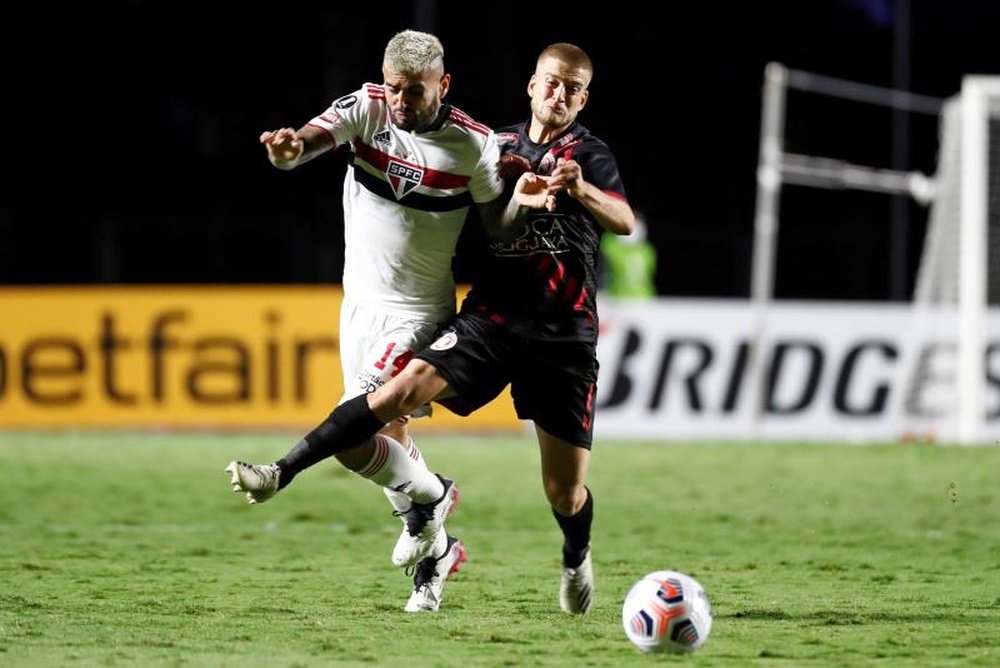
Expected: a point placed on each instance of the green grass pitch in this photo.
(130, 550)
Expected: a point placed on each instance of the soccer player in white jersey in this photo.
(418, 165)
(530, 321)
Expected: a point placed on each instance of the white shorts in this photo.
(375, 346)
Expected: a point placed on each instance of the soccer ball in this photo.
(667, 611)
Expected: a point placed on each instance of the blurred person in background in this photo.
(629, 263)
(418, 165)
(530, 321)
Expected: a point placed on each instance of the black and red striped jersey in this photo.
(543, 283)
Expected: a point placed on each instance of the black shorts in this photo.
(553, 383)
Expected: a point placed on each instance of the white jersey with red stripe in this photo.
(405, 201)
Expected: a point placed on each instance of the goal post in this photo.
(777, 167)
(958, 280)
(980, 114)
(948, 368)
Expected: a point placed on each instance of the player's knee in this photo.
(401, 396)
(411, 389)
(567, 499)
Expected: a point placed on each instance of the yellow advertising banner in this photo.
(180, 357)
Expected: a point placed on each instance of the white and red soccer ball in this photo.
(667, 611)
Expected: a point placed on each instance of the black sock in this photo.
(348, 426)
(576, 532)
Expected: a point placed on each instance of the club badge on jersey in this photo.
(402, 177)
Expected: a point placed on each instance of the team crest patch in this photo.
(346, 102)
(445, 341)
(403, 178)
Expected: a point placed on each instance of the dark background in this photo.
(131, 127)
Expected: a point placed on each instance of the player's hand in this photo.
(512, 166)
(534, 191)
(284, 148)
(567, 176)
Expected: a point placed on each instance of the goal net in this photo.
(952, 384)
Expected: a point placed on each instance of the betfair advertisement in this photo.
(180, 357)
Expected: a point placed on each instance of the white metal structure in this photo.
(959, 277)
(979, 94)
(958, 238)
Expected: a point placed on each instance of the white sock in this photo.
(402, 473)
(440, 545)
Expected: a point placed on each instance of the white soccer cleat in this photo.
(259, 481)
(576, 590)
(421, 525)
(430, 574)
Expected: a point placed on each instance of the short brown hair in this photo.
(569, 53)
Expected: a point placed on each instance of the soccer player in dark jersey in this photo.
(529, 321)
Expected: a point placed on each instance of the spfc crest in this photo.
(403, 178)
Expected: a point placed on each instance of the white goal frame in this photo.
(973, 250)
(967, 422)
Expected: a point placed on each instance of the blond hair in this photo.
(411, 52)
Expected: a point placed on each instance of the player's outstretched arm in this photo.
(503, 217)
(288, 148)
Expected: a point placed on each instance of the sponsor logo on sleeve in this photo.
(346, 102)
